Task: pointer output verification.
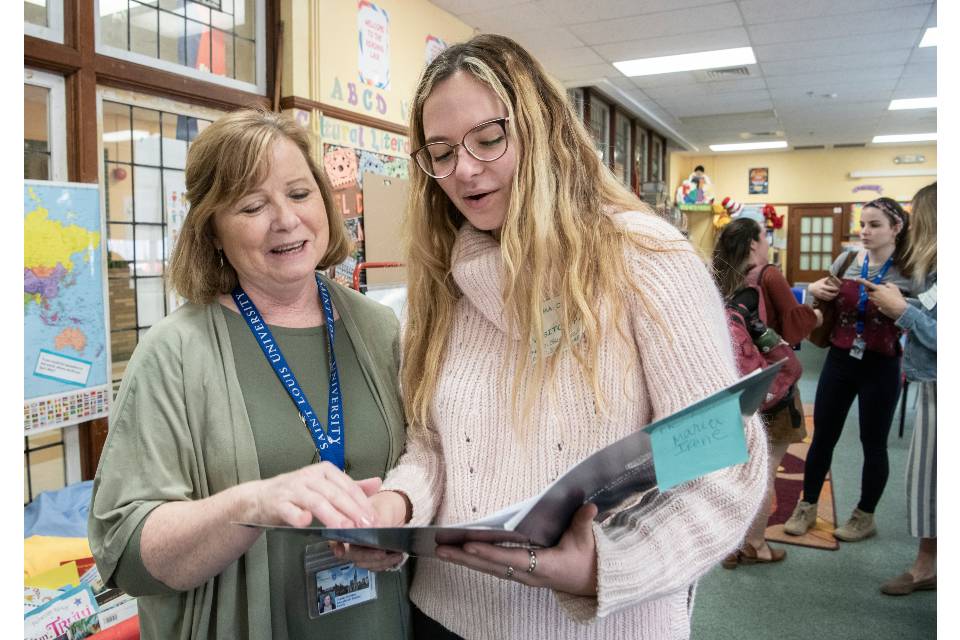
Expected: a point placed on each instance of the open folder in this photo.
(703, 437)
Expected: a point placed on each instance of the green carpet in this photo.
(814, 594)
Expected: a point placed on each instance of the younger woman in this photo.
(747, 283)
(863, 363)
(550, 313)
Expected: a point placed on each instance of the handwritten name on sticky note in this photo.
(695, 444)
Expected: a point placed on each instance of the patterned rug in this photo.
(789, 486)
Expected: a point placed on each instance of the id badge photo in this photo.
(333, 585)
(859, 345)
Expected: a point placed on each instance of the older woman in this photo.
(259, 400)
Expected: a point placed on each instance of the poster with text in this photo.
(374, 27)
(759, 180)
(65, 334)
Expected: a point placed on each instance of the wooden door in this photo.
(813, 238)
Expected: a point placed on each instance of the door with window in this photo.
(813, 238)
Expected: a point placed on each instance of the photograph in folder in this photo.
(703, 437)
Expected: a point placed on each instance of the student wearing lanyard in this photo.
(863, 363)
(550, 313)
(270, 397)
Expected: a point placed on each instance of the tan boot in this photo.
(859, 527)
(803, 518)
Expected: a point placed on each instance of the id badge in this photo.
(332, 585)
(856, 351)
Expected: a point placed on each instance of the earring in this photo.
(220, 254)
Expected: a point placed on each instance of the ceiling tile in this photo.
(577, 57)
(827, 27)
(667, 23)
(588, 73)
(828, 78)
(846, 45)
(835, 63)
(706, 88)
(542, 42)
(513, 19)
(763, 11)
(645, 47)
(577, 11)
(458, 7)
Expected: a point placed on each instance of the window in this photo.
(215, 40)
(43, 19)
(575, 96)
(640, 157)
(600, 128)
(44, 131)
(144, 155)
(621, 148)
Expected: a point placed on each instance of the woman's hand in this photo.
(887, 297)
(392, 510)
(571, 566)
(320, 491)
(824, 289)
(819, 314)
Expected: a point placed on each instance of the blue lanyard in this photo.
(329, 443)
(862, 303)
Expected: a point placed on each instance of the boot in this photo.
(858, 527)
(803, 518)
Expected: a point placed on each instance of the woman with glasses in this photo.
(863, 363)
(550, 313)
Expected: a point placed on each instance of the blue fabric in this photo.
(798, 293)
(59, 513)
(920, 354)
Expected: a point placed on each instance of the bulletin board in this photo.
(384, 202)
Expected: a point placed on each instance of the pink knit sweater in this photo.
(473, 465)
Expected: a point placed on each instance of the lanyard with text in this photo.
(862, 304)
(330, 443)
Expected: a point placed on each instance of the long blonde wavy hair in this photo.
(921, 254)
(557, 238)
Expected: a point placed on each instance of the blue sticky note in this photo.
(699, 442)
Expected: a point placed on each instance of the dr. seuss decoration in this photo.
(696, 189)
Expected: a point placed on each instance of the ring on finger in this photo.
(509, 573)
(533, 561)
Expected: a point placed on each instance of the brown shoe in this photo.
(904, 584)
(749, 555)
(731, 561)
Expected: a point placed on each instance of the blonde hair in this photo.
(226, 161)
(921, 255)
(557, 237)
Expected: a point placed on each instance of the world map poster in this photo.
(65, 338)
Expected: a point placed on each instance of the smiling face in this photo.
(277, 233)
(876, 231)
(479, 190)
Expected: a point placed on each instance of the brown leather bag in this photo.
(821, 335)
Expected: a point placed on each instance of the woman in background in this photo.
(918, 316)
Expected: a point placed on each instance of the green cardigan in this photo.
(179, 430)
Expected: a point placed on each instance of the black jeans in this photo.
(875, 382)
(426, 628)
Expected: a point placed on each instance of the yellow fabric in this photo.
(42, 553)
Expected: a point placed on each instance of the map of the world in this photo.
(65, 355)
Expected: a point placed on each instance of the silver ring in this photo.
(533, 561)
(509, 573)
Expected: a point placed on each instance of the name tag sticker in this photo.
(929, 297)
(704, 441)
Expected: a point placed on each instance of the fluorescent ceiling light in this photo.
(913, 103)
(906, 137)
(931, 37)
(750, 146)
(687, 62)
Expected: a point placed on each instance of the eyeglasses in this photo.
(486, 142)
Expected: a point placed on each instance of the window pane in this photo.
(805, 225)
(119, 196)
(35, 12)
(116, 132)
(149, 301)
(113, 23)
(146, 194)
(805, 262)
(36, 127)
(600, 128)
(828, 225)
(119, 250)
(176, 6)
(123, 310)
(221, 20)
(198, 12)
(174, 197)
(826, 260)
(149, 249)
(621, 155)
(804, 243)
(198, 46)
(146, 136)
(827, 243)
(36, 166)
(143, 30)
(245, 15)
(815, 245)
(245, 60)
(175, 138)
(229, 56)
(172, 41)
(817, 224)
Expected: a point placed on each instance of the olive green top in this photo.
(198, 371)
